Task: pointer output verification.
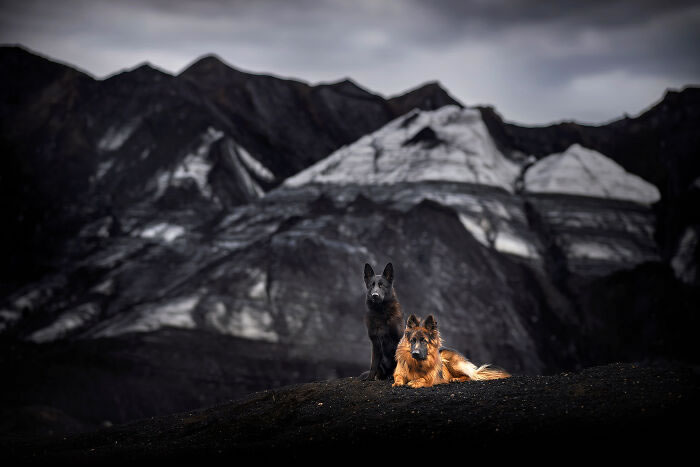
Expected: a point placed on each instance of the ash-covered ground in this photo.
(624, 409)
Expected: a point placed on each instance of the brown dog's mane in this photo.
(427, 372)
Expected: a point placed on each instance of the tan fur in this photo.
(440, 366)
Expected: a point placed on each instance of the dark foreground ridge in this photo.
(618, 406)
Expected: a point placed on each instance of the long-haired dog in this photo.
(384, 322)
(421, 362)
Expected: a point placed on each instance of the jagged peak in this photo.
(429, 87)
(141, 71)
(428, 96)
(206, 62)
(689, 94)
(212, 65)
(347, 81)
(346, 85)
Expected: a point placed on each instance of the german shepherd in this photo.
(422, 362)
(384, 322)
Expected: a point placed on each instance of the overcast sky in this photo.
(536, 61)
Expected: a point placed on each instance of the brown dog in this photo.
(421, 362)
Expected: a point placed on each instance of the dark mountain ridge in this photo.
(58, 125)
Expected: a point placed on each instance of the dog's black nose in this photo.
(415, 355)
(375, 296)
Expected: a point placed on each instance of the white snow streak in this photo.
(195, 166)
(174, 313)
(246, 321)
(65, 323)
(582, 171)
(255, 165)
(163, 231)
(115, 136)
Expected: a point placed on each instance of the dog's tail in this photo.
(489, 372)
(481, 373)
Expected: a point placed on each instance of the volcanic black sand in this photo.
(645, 410)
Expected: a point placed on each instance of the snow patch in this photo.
(197, 168)
(502, 241)
(585, 172)
(255, 166)
(115, 136)
(258, 290)
(65, 323)
(194, 166)
(28, 300)
(104, 167)
(599, 251)
(174, 313)
(246, 322)
(104, 288)
(8, 317)
(235, 152)
(683, 263)
(448, 144)
(512, 244)
(163, 231)
(478, 229)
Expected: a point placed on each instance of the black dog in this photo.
(385, 324)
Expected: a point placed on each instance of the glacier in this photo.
(585, 172)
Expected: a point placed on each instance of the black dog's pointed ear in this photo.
(388, 272)
(412, 321)
(369, 273)
(430, 323)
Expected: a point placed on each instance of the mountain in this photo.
(660, 145)
(77, 149)
(175, 241)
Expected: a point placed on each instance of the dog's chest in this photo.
(380, 326)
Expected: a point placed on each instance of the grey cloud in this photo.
(535, 60)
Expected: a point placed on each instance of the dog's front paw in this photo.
(397, 383)
(414, 384)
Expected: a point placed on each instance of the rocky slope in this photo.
(193, 260)
(620, 410)
(76, 149)
(660, 145)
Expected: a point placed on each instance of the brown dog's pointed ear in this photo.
(430, 323)
(412, 321)
(369, 273)
(388, 272)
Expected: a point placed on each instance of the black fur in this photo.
(384, 322)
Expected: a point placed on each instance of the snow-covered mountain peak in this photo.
(449, 144)
(583, 171)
